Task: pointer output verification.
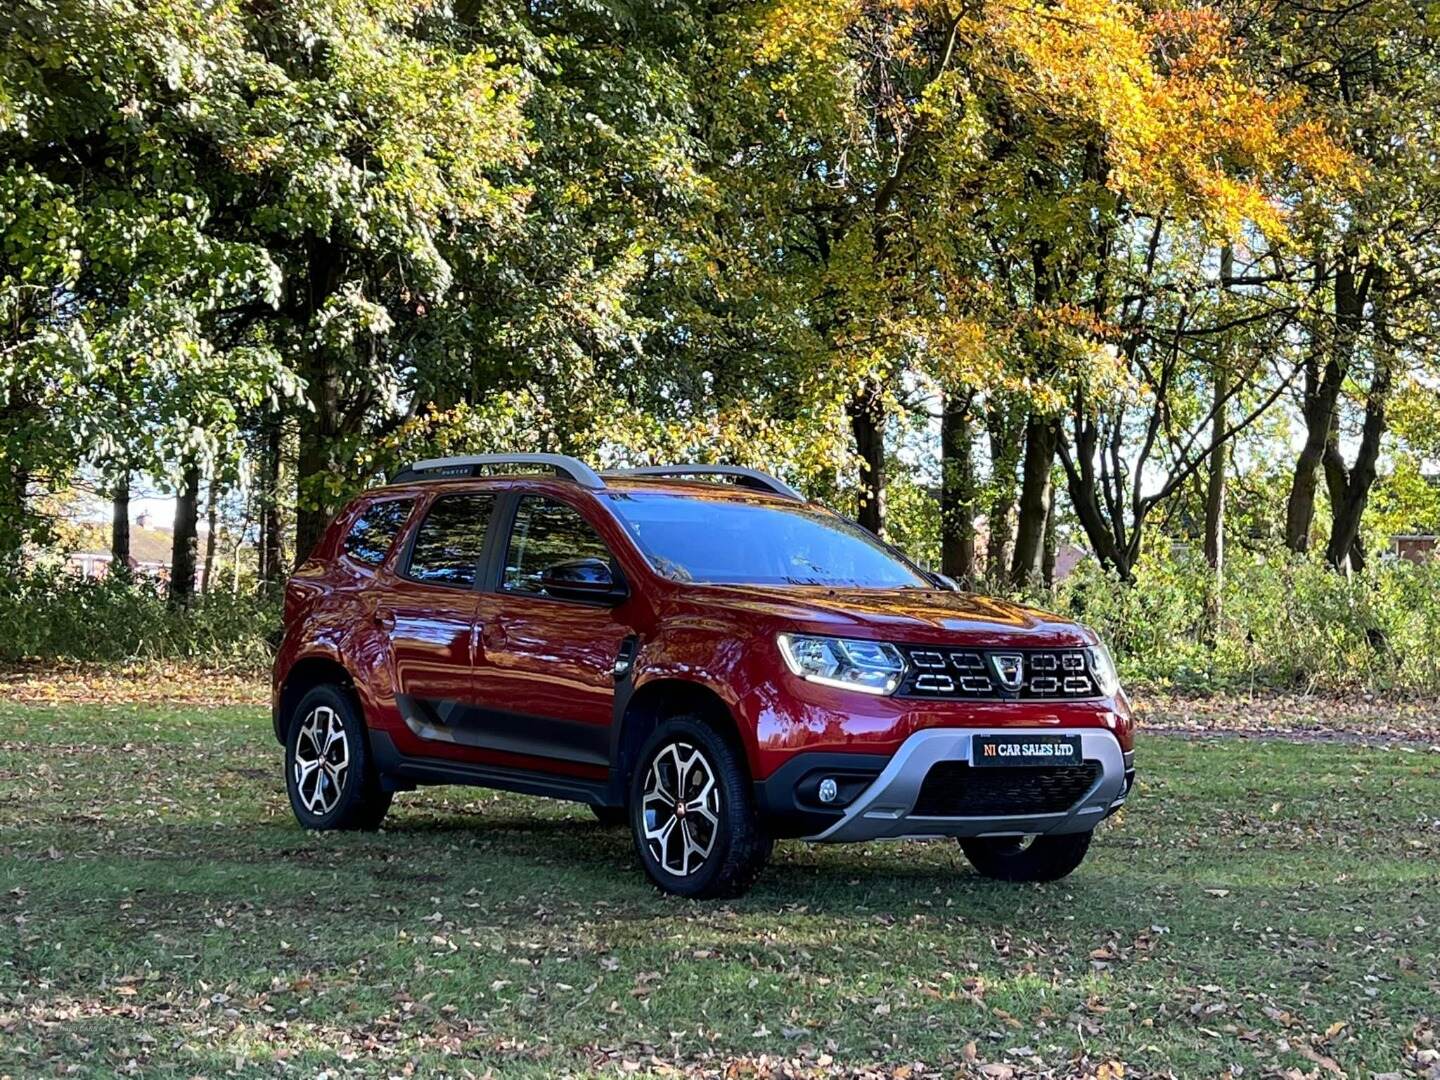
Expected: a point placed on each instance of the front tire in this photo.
(693, 815)
(1043, 858)
(331, 781)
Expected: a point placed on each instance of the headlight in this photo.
(1102, 667)
(872, 667)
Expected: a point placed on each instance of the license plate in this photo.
(997, 751)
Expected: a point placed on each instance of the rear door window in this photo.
(373, 533)
(450, 540)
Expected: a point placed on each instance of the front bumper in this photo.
(885, 807)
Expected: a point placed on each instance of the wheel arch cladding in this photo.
(660, 700)
(306, 674)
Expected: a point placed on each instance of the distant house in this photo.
(150, 551)
(1067, 558)
(1415, 547)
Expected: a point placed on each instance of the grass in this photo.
(1265, 905)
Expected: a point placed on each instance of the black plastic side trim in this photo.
(509, 732)
(391, 762)
(781, 797)
(624, 691)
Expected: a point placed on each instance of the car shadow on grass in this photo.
(496, 853)
(909, 877)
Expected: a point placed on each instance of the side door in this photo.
(546, 669)
(428, 608)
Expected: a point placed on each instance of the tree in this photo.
(116, 351)
(1364, 260)
(947, 191)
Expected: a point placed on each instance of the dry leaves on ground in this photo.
(1361, 716)
(131, 684)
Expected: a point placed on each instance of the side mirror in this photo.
(581, 579)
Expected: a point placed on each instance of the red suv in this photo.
(714, 664)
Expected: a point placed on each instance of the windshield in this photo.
(733, 542)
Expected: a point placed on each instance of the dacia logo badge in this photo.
(1010, 670)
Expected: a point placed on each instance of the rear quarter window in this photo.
(373, 533)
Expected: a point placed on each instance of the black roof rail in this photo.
(743, 477)
(479, 464)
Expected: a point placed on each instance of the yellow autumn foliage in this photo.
(1182, 128)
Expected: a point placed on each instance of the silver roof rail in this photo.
(478, 464)
(750, 478)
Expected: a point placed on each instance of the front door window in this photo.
(545, 534)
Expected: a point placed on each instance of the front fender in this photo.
(724, 659)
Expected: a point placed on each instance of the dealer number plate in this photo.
(987, 751)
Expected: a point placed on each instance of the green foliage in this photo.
(51, 615)
(1286, 623)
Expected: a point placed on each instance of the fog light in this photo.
(828, 790)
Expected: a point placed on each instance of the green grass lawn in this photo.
(1270, 906)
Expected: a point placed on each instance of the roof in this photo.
(146, 545)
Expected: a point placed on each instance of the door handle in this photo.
(484, 637)
(385, 620)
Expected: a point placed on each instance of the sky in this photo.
(161, 509)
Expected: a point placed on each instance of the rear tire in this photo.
(1044, 858)
(329, 776)
(716, 844)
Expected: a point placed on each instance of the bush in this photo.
(49, 614)
(1285, 622)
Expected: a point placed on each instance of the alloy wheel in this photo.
(680, 808)
(322, 760)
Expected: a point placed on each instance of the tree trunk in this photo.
(1337, 484)
(185, 549)
(1000, 426)
(120, 525)
(1322, 392)
(14, 477)
(312, 512)
(1215, 478)
(262, 545)
(867, 421)
(272, 565)
(1085, 498)
(957, 490)
(1215, 509)
(1347, 549)
(1215, 481)
(1052, 545)
(14, 506)
(1300, 506)
(212, 520)
(1040, 441)
(321, 424)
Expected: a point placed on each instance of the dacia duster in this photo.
(695, 651)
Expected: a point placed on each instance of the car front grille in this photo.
(978, 674)
(955, 789)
